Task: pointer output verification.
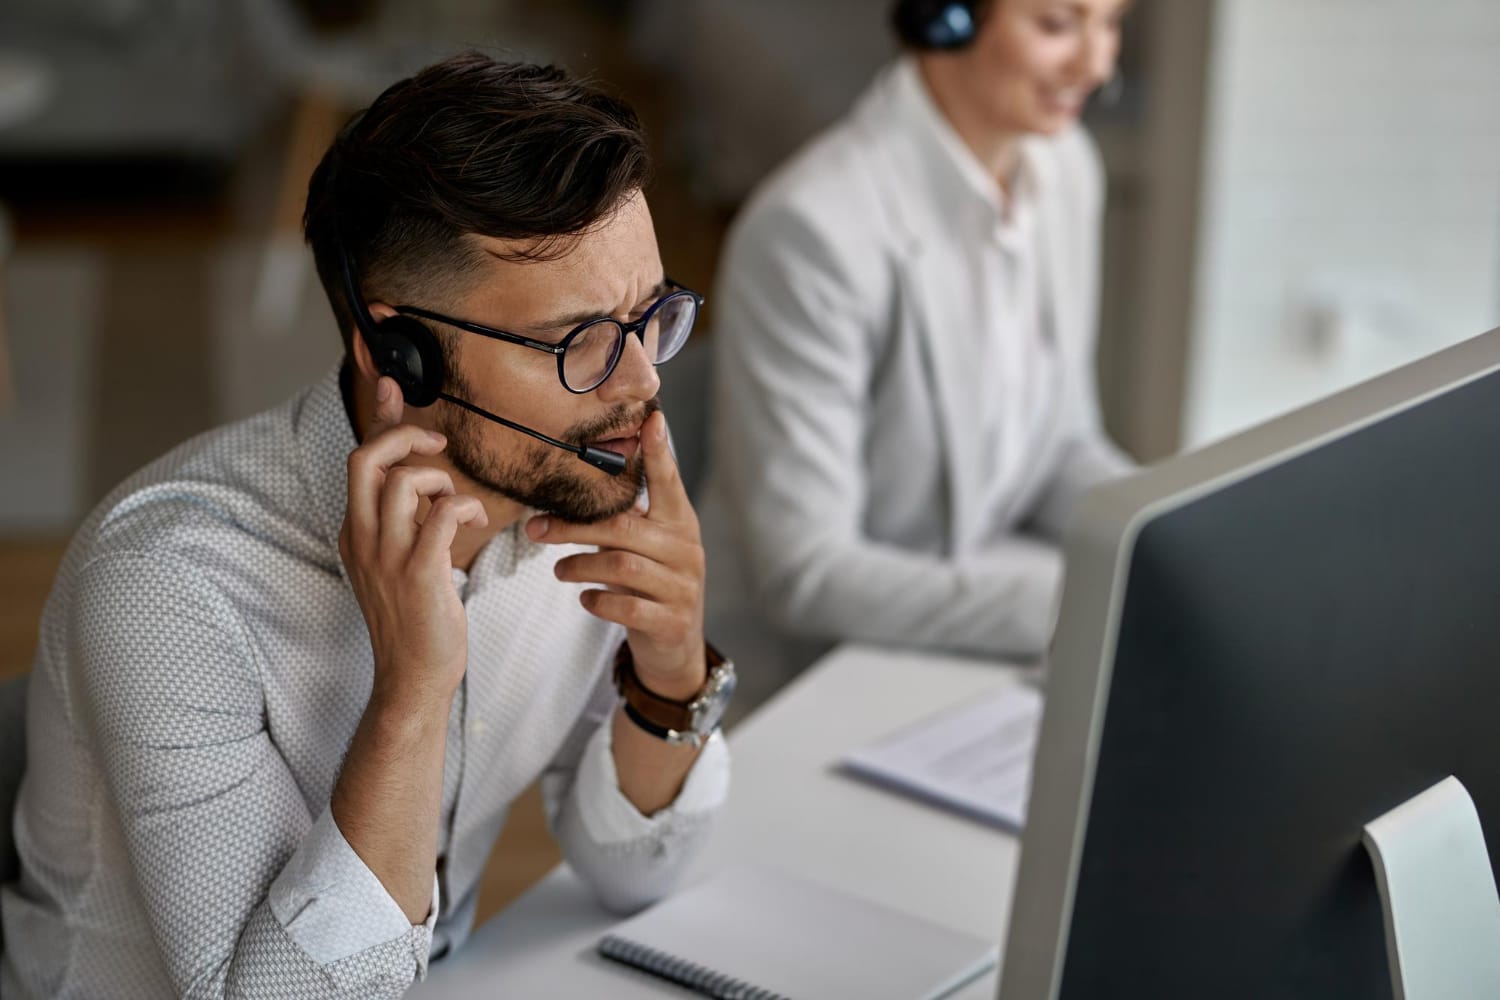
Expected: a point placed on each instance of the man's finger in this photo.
(389, 406)
(404, 488)
(626, 572)
(447, 514)
(369, 463)
(631, 532)
(669, 499)
(636, 613)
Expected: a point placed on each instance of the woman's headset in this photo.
(935, 24)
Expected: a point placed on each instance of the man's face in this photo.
(614, 270)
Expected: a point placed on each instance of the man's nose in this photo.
(634, 379)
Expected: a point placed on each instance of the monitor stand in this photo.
(1442, 915)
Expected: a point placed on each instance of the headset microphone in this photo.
(600, 458)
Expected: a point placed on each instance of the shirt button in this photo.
(476, 728)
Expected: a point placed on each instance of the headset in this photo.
(407, 350)
(935, 24)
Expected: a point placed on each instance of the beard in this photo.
(545, 478)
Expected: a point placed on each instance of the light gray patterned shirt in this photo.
(202, 667)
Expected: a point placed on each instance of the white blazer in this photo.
(841, 499)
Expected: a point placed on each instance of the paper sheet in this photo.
(974, 758)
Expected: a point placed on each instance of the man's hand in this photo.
(402, 571)
(389, 792)
(652, 568)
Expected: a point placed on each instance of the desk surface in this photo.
(788, 809)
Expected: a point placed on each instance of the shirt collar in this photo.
(324, 438)
(944, 147)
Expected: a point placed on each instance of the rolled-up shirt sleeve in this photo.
(629, 860)
(247, 892)
(334, 907)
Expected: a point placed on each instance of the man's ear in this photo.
(364, 363)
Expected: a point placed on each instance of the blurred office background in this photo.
(1303, 193)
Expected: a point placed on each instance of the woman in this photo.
(905, 409)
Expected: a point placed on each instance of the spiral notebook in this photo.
(758, 934)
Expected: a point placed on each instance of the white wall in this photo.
(1351, 198)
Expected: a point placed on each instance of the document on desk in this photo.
(974, 758)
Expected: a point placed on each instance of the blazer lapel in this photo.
(953, 378)
(924, 209)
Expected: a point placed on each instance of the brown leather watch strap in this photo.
(659, 711)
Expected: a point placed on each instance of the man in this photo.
(905, 409)
(292, 674)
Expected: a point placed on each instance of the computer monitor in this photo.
(1262, 647)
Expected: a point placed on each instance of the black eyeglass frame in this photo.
(560, 349)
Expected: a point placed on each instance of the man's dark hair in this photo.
(468, 145)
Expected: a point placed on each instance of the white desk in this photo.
(788, 809)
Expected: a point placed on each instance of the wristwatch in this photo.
(681, 723)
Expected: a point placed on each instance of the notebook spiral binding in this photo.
(679, 970)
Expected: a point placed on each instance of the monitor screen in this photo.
(1272, 643)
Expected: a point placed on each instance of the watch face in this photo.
(710, 706)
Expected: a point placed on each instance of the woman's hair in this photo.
(468, 145)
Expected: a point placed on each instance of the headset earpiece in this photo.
(409, 352)
(401, 347)
(935, 24)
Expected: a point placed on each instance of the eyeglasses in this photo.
(587, 356)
